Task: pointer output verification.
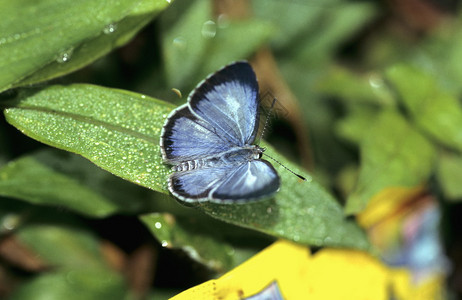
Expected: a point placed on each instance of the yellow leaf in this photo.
(296, 274)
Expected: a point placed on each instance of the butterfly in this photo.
(209, 141)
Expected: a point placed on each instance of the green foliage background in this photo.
(384, 107)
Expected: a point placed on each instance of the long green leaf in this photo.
(40, 40)
(80, 284)
(117, 130)
(184, 234)
(120, 132)
(65, 180)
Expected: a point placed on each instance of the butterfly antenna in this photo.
(298, 175)
(268, 117)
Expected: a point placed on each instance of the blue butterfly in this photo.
(209, 141)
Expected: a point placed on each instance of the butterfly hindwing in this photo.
(233, 183)
(252, 180)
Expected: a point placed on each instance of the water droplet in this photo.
(209, 29)
(158, 225)
(179, 42)
(64, 56)
(223, 21)
(10, 221)
(164, 243)
(111, 28)
(375, 81)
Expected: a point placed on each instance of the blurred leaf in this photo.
(346, 179)
(434, 110)
(393, 154)
(308, 59)
(441, 52)
(183, 44)
(70, 181)
(46, 39)
(117, 130)
(355, 125)
(354, 88)
(222, 49)
(290, 20)
(187, 235)
(449, 174)
(76, 284)
(195, 44)
(109, 128)
(333, 28)
(62, 246)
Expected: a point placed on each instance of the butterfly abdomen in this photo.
(232, 157)
(189, 165)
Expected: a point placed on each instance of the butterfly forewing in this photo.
(186, 137)
(228, 100)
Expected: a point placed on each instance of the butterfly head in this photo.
(257, 151)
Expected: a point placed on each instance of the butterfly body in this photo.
(235, 156)
(209, 141)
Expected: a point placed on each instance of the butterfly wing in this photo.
(245, 182)
(252, 180)
(185, 137)
(228, 101)
(196, 185)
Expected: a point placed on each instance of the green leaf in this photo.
(76, 284)
(435, 111)
(195, 44)
(354, 88)
(223, 50)
(332, 28)
(393, 154)
(70, 181)
(290, 20)
(449, 173)
(120, 132)
(188, 235)
(356, 124)
(183, 44)
(62, 246)
(40, 40)
(117, 130)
